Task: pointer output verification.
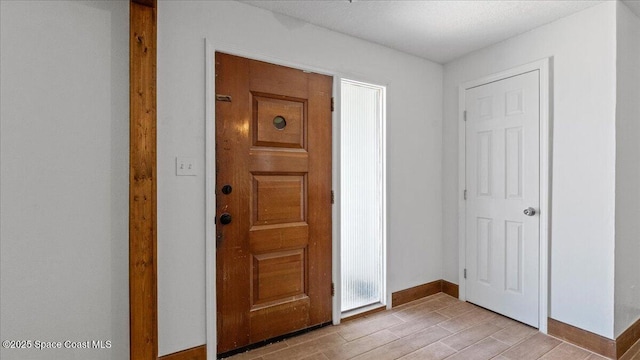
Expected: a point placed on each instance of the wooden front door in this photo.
(273, 193)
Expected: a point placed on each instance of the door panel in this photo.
(273, 146)
(266, 109)
(278, 199)
(502, 179)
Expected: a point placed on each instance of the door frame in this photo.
(545, 90)
(210, 185)
(210, 180)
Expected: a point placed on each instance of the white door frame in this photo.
(210, 182)
(545, 178)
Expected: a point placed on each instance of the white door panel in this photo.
(502, 179)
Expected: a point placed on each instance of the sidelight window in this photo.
(362, 189)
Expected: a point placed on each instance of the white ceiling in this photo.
(436, 30)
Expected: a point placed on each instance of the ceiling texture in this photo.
(438, 30)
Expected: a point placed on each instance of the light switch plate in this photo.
(186, 166)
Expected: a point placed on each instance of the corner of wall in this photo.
(627, 206)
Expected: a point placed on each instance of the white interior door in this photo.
(502, 180)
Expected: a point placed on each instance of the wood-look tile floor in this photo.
(435, 327)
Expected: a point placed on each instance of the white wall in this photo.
(584, 154)
(64, 176)
(414, 115)
(627, 253)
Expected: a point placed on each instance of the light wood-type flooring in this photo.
(434, 327)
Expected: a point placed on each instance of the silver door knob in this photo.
(529, 211)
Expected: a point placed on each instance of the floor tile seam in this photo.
(298, 346)
(420, 348)
(304, 342)
(324, 352)
(468, 326)
(344, 338)
(370, 350)
(503, 351)
(635, 356)
(436, 314)
(541, 356)
(367, 334)
(431, 311)
(631, 352)
(562, 341)
(443, 344)
(405, 335)
(331, 347)
(453, 331)
(472, 307)
(412, 332)
(447, 330)
(452, 355)
(352, 341)
(462, 321)
(447, 317)
(509, 347)
(498, 340)
(480, 340)
(408, 315)
(637, 351)
(586, 357)
(581, 348)
(425, 329)
(409, 305)
(355, 322)
(458, 315)
(520, 342)
(310, 355)
(399, 339)
(458, 332)
(367, 320)
(415, 318)
(396, 316)
(516, 343)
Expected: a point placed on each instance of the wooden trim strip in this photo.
(143, 303)
(364, 313)
(415, 293)
(450, 289)
(420, 291)
(625, 341)
(585, 339)
(196, 353)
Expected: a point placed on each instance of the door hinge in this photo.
(332, 105)
(226, 98)
(333, 197)
(465, 273)
(465, 115)
(464, 194)
(333, 289)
